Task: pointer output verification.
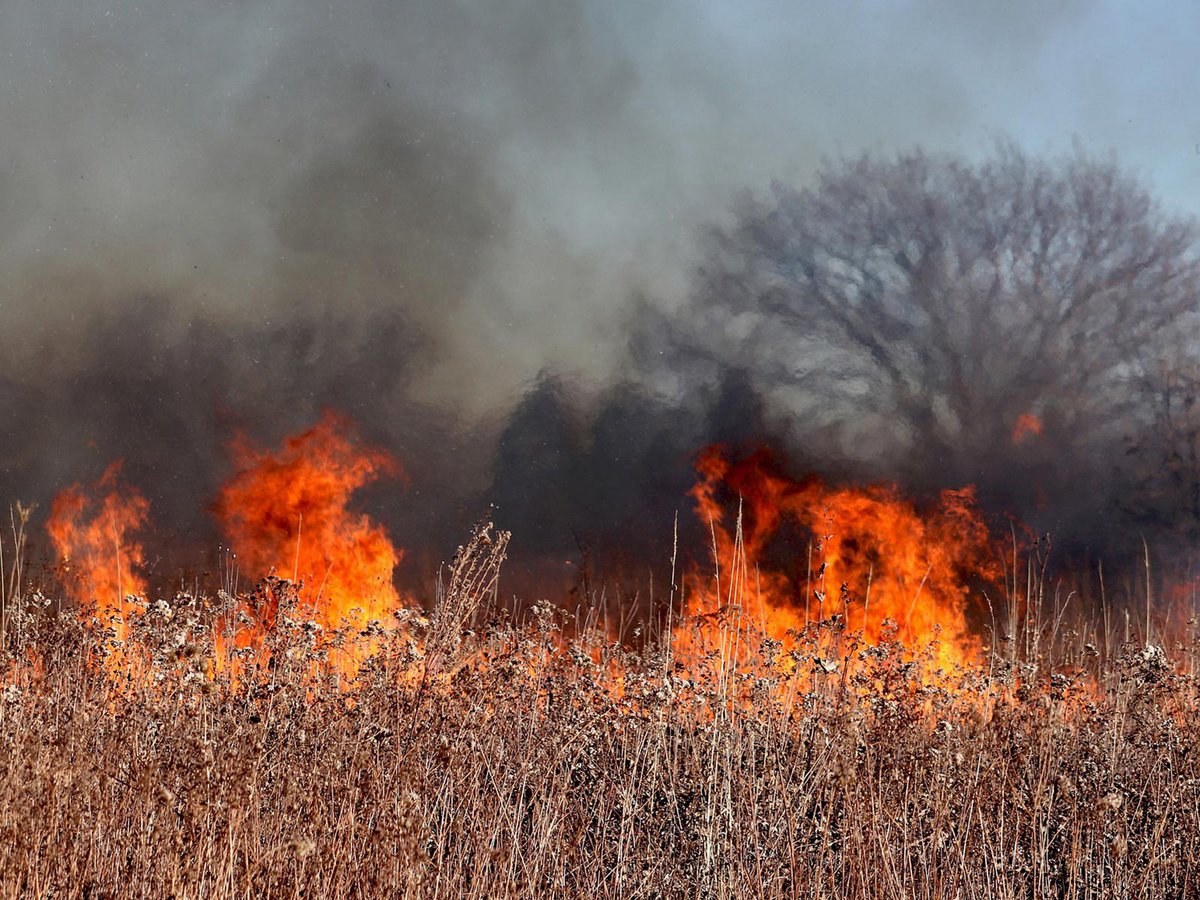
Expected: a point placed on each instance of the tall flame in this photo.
(287, 513)
(92, 533)
(875, 561)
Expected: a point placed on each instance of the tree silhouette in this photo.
(948, 319)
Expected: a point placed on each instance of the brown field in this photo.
(547, 761)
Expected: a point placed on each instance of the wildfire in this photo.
(92, 533)
(874, 563)
(848, 560)
(287, 513)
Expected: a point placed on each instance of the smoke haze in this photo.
(450, 219)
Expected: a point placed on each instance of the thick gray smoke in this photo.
(225, 216)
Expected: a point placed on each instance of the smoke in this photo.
(224, 217)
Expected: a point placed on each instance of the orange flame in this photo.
(875, 563)
(91, 534)
(799, 553)
(287, 513)
(1026, 427)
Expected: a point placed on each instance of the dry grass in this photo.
(502, 762)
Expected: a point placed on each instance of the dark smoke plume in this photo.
(217, 218)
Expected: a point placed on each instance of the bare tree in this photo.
(1161, 469)
(935, 310)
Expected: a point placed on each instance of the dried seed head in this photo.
(1119, 846)
(301, 848)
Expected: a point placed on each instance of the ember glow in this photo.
(1027, 427)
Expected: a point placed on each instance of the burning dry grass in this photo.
(833, 730)
(470, 757)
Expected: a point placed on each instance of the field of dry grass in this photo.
(473, 757)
